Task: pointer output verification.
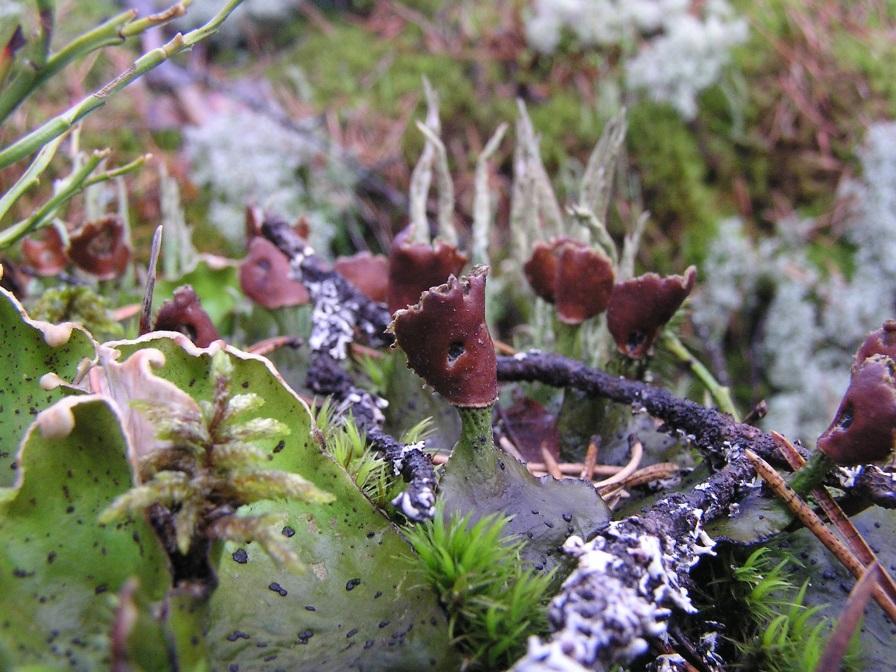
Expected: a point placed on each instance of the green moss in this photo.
(493, 602)
(78, 303)
(872, 55)
(351, 67)
(673, 177)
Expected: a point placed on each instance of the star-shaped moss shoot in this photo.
(639, 308)
(575, 277)
(447, 342)
(209, 465)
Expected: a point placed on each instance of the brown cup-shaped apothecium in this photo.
(100, 248)
(415, 267)
(865, 423)
(368, 272)
(879, 342)
(575, 277)
(46, 255)
(184, 313)
(640, 307)
(447, 343)
(265, 277)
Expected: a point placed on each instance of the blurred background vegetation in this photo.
(760, 141)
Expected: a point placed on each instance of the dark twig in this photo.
(340, 311)
(715, 433)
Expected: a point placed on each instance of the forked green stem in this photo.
(719, 392)
(63, 122)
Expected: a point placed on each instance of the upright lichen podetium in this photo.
(447, 343)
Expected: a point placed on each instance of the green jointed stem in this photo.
(111, 32)
(30, 177)
(63, 122)
(718, 391)
(72, 185)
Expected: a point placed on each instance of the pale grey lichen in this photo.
(628, 580)
(243, 157)
(671, 49)
(817, 317)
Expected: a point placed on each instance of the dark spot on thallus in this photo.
(240, 556)
(501, 464)
(309, 607)
(233, 667)
(368, 644)
(280, 446)
(277, 588)
(304, 636)
(351, 584)
(287, 531)
(383, 624)
(567, 517)
(237, 634)
(351, 633)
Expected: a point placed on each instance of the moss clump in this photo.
(674, 178)
(78, 304)
(493, 601)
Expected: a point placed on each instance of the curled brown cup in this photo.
(100, 247)
(575, 277)
(864, 426)
(415, 267)
(368, 272)
(640, 307)
(47, 254)
(447, 343)
(184, 313)
(879, 342)
(265, 277)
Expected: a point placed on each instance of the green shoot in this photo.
(493, 602)
(213, 466)
(790, 635)
(343, 442)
